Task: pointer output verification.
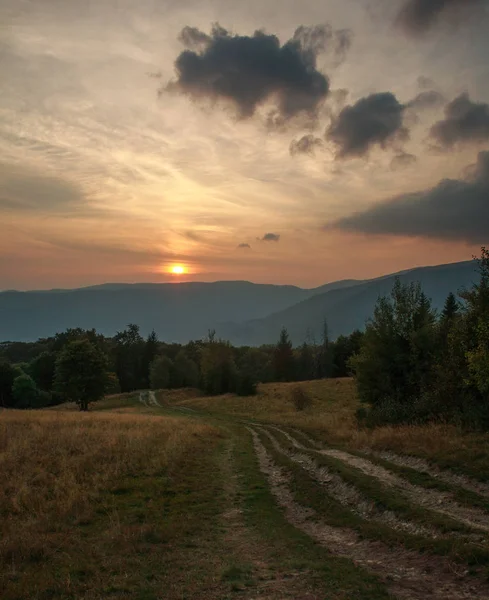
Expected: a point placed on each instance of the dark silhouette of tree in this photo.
(70, 335)
(185, 371)
(7, 376)
(160, 373)
(451, 308)
(306, 363)
(283, 358)
(81, 373)
(128, 351)
(25, 393)
(344, 348)
(396, 355)
(477, 300)
(42, 368)
(218, 368)
(325, 354)
(149, 354)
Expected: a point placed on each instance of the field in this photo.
(226, 497)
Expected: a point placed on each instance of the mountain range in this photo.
(241, 312)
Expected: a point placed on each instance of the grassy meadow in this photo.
(171, 501)
(331, 417)
(83, 497)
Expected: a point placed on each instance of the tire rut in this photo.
(422, 466)
(440, 502)
(407, 575)
(349, 496)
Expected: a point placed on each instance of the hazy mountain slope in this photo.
(178, 312)
(243, 312)
(336, 285)
(348, 308)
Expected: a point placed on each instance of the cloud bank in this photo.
(452, 210)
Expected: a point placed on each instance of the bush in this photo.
(392, 412)
(246, 385)
(300, 398)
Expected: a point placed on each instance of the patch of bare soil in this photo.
(441, 502)
(408, 575)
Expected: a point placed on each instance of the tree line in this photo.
(415, 366)
(83, 365)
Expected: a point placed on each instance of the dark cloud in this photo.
(269, 237)
(323, 39)
(465, 121)
(192, 37)
(426, 100)
(376, 119)
(250, 70)
(452, 210)
(247, 246)
(418, 16)
(307, 144)
(403, 160)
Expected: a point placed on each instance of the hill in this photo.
(243, 312)
(178, 312)
(348, 308)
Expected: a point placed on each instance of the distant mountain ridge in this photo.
(348, 308)
(243, 312)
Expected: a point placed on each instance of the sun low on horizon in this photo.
(178, 270)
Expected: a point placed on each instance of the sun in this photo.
(177, 269)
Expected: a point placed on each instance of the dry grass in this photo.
(130, 400)
(57, 467)
(332, 405)
(332, 417)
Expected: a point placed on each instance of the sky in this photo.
(273, 140)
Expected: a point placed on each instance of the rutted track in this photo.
(418, 464)
(441, 502)
(407, 574)
(348, 495)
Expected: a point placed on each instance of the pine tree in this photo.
(325, 354)
(149, 354)
(283, 358)
(306, 366)
(451, 308)
(478, 316)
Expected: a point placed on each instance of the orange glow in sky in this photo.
(178, 270)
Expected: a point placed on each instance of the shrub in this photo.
(300, 398)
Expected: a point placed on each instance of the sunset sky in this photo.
(269, 140)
